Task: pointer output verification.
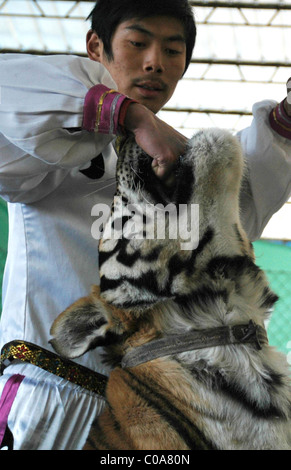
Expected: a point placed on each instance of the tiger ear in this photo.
(84, 325)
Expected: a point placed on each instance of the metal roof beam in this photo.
(239, 5)
(227, 4)
(240, 62)
(202, 60)
(205, 23)
(208, 111)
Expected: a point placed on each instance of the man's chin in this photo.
(151, 105)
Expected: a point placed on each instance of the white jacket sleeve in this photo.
(268, 181)
(42, 99)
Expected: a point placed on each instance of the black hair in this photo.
(108, 14)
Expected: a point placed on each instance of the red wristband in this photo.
(102, 109)
(280, 121)
(122, 114)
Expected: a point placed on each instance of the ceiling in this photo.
(242, 55)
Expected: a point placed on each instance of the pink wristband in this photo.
(280, 121)
(102, 107)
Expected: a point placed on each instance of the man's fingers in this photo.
(161, 142)
(163, 168)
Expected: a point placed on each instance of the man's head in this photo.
(145, 45)
(108, 14)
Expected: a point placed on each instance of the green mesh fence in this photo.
(3, 241)
(275, 259)
(279, 326)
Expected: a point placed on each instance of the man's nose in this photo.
(154, 60)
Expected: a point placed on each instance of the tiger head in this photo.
(170, 259)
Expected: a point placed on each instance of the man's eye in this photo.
(173, 52)
(137, 44)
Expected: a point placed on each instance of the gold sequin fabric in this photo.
(68, 370)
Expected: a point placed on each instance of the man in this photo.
(58, 120)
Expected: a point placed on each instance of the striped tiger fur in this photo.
(221, 397)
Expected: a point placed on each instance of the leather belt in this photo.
(196, 339)
(47, 360)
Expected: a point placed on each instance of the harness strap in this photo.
(47, 360)
(196, 339)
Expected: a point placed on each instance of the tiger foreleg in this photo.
(82, 326)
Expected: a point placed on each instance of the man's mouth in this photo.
(147, 87)
(151, 86)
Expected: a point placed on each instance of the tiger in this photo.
(181, 319)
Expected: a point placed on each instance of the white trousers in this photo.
(48, 412)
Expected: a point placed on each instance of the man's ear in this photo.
(95, 48)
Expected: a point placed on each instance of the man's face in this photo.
(149, 57)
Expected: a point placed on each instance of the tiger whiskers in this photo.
(138, 190)
(135, 172)
(105, 181)
(101, 189)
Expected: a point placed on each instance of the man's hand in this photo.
(159, 140)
